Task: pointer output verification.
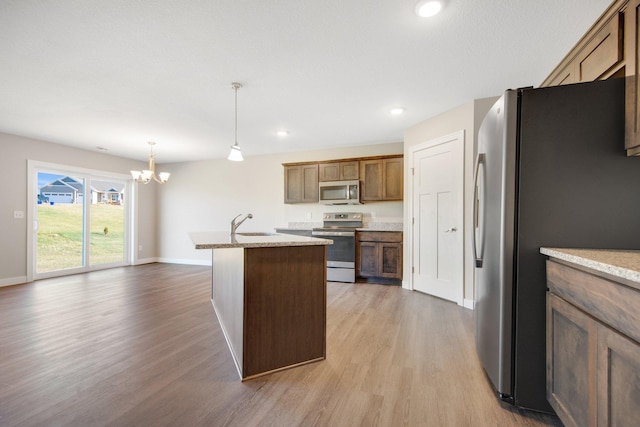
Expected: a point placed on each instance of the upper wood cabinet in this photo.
(600, 57)
(339, 171)
(301, 183)
(632, 71)
(609, 49)
(382, 179)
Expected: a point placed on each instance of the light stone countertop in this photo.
(378, 224)
(221, 240)
(624, 264)
(382, 226)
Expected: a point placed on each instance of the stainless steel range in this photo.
(341, 256)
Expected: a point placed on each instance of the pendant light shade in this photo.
(236, 154)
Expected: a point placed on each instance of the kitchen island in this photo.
(269, 294)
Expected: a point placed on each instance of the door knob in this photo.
(451, 230)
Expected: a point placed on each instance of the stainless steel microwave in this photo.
(340, 192)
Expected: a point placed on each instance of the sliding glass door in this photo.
(80, 220)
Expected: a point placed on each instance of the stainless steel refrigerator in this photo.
(550, 171)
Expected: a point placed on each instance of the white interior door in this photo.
(438, 251)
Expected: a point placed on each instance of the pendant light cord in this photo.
(236, 86)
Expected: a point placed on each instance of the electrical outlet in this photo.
(140, 248)
(18, 214)
(309, 215)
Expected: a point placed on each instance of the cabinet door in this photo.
(632, 96)
(618, 379)
(310, 190)
(368, 260)
(349, 170)
(390, 263)
(371, 175)
(329, 172)
(301, 184)
(603, 52)
(565, 76)
(571, 360)
(292, 184)
(339, 171)
(393, 178)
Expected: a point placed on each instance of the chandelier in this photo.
(235, 154)
(146, 175)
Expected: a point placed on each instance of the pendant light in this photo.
(236, 153)
(146, 175)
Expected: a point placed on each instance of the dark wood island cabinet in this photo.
(269, 294)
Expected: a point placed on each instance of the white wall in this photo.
(467, 117)
(206, 195)
(15, 151)
(201, 195)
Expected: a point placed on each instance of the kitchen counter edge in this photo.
(623, 264)
(222, 240)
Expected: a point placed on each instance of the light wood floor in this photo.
(140, 346)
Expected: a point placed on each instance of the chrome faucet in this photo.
(235, 225)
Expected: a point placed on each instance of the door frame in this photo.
(457, 137)
(32, 190)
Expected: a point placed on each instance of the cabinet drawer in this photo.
(612, 303)
(380, 236)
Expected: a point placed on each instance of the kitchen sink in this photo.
(257, 233)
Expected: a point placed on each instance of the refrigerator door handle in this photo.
(478, 233)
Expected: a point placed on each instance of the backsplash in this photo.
(378, 223)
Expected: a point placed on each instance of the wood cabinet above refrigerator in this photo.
(609, 49)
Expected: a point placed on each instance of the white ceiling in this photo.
(117, 73)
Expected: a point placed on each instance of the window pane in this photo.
(60, 222)
(107, 222)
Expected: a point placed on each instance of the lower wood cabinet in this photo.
(618, 376)
(593, 356)
(379, 255)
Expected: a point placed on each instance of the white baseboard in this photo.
(10, 281)
(145, 261)
(468, 303)
(185, 261)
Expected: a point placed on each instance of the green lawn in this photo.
(60, 235)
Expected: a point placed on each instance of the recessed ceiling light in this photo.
(282, 132)
(397, 111)
(427, 8)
